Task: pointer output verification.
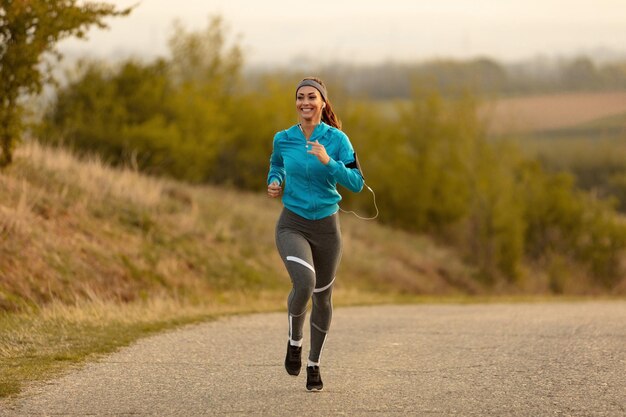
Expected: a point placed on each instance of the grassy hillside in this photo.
(75, 230)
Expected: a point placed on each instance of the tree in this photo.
(29, 33)
(187, 116)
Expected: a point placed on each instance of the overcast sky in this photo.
(285, 31)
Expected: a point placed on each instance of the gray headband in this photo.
(312, 83)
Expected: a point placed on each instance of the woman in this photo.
(308, 160)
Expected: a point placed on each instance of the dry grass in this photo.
(399, 262)
(74, 230)
(94, 177)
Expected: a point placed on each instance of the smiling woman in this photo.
(308, 160)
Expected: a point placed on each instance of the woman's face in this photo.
(309, 104)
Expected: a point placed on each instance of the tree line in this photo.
(487, 76)
(195, 116)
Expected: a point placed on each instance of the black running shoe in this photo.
(293, 363)
(313, 379)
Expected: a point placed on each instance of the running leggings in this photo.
(311, 250)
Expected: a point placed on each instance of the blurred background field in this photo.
(134, 197)
(551, 113)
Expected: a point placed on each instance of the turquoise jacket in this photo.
(310, 187)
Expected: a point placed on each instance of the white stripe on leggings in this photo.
(324, 288)
(319, 359)
(291, 341)
(300, 261)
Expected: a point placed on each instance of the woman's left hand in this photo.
(318, 150)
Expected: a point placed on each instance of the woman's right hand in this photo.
(274, 190)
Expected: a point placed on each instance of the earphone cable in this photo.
(376, 206)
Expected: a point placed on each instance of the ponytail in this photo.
(329, 117)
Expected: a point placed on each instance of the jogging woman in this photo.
(308, 161)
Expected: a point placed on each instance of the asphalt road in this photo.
(543, 359)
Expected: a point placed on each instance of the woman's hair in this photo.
(328, 115)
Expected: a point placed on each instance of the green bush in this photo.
(435, 172)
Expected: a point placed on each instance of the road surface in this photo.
(545, 359)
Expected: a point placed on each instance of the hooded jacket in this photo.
(310, 187)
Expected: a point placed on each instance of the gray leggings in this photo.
(311, 250)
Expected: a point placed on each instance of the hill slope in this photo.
(73, 230)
